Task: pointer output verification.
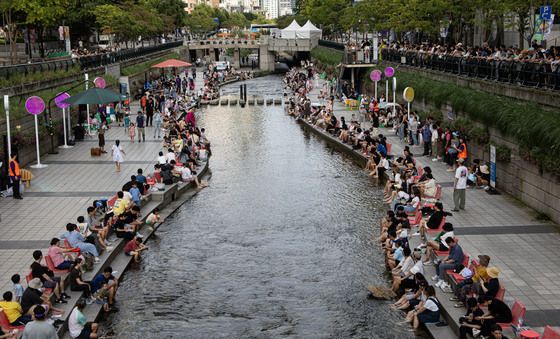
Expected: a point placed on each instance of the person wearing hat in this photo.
(460, 185)
(39, 328)
(32, 296)
(472, 285)
(490, 287)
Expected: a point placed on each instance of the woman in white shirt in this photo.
(425, 312)
(118, 154)
(439, 244)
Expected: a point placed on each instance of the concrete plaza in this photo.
(61, 192)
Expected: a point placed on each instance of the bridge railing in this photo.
(522, 73)
(84, 62)
(225, 41)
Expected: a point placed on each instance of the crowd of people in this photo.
(535, 53)
(415, 210)
(35, 311)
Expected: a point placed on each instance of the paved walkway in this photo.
(61, 192)
(525, 249)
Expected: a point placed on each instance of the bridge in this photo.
(266, 47)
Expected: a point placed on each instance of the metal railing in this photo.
(523, 73)
(84, 62)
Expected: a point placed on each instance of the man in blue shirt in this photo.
(382, 149)
(77, 240)
(451, 262)
(427, 137)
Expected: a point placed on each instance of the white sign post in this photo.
(492, 166)
(7, 110)
(87, 106)
(395, 95)
(59, 101)
(375, 47)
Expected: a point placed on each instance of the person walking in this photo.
(460, 185)
(427, 138)
(140, 125)
(15, 175)
(157, 124)
(101, 136)
(118, 154)
(149, 111)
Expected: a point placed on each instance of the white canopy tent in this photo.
(310, 31)
(290, 31)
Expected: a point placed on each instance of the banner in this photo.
(542, 28)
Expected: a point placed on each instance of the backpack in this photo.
(88, 261)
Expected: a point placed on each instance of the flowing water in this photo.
(280, 244)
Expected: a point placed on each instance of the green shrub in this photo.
(144, 66)
(534, 128)
(327, 56)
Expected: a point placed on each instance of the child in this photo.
(134, 248)
(102, 296)
(154, 218)
(18, 289)
(126, 123)
(135, 193)
(83, 226)
(131, 131)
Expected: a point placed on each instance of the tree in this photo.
(172, 12)
(201, 19)
(236, 20)
(43, 14)
(8, 11)
(114, 20)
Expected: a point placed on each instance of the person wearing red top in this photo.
(134, 247)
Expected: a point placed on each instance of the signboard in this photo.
(492, 166)
(408, 94)
(542, 28)
(546, 12)
(375, 48)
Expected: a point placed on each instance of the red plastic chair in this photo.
(29, 277)
(550, 333)
(5, 324)
(438, 193)
(50, 265)
(465, 263)
(517, 311)
(416, 219)
(111, 202)
(67, 246)
(501, 293)
(389, 148)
